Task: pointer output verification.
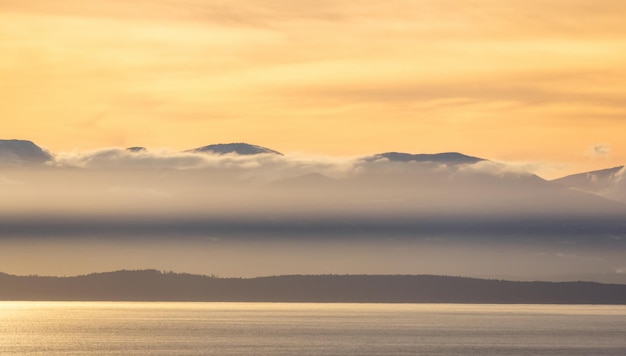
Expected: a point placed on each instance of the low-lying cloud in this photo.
(161, 191)
(262, 166)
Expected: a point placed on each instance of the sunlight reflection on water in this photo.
(115, 328)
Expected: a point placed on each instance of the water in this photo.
(88, 328)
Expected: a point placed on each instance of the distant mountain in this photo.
(238, 148)
(609, 183)
(152, 285)
(446, 157)
(392, 191)
(22, 152)
(589, 181)
(453, 185)
(136, 149)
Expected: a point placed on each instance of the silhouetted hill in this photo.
(22, 152)
(238, 148)
(446, 157)
(152, 285)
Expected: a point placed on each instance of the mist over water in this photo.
(247, 216)
(520, 258)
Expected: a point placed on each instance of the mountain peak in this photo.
(239, 148)
(608, 183)
(22, 151)
(444, 157)
(601, 174)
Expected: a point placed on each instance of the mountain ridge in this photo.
(22, 151)
(447, 171)
(240, 148)
(442, 157)
(604, 173)
(609, 183)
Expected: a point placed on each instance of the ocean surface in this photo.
(119, 328)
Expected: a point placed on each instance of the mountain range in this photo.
(263, 190)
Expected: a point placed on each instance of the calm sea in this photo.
(86, 328)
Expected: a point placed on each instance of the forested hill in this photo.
(152, 285)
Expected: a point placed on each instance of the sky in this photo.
(532, 81)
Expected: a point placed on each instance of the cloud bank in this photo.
(162, 190)
(269, 214)
(265, 167)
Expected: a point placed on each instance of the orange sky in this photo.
(532, 81)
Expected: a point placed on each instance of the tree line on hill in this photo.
(153, 285)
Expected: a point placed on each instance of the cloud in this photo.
(261, 167)
(599, 150)
(614, 186)
(264, 168)
(620, 175)
(506, 168)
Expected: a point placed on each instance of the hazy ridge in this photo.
(153, 285)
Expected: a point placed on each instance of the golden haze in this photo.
(532, 81)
